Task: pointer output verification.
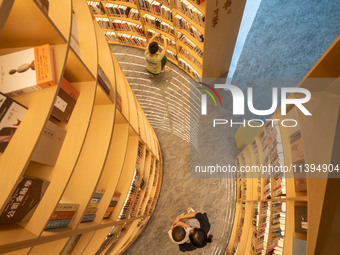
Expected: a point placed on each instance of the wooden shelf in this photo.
(317, 150)
(169, 22)
(100, 146)
(126, 19)
(127, 4)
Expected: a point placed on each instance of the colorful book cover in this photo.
(89, 217)
(61, 215)
(57, 224)
(27, 70)
(63, 206)
(24, 200)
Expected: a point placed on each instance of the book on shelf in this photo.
(27, 70)
(92, 207)
(301, 223)
(112, 205)
(49, 144)
(103, 80)
(24, 200)
(182, 23)
(52, 224)
(11, 115)
(62, 215)
(129, 198)
(96, 7)
(65, 102)
(44, 4)
(70, 245)
(190, 10)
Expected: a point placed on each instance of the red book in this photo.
(61, 215)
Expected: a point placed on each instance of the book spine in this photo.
(61, 215)
(89, 217)
(90, 211)
(57, 224)
(66, 207)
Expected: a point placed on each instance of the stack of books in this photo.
(129, 198)
(190, 10)
(239, 229)
(190, 44)
(278, 219)
(96, 7)
(182, 23)
(113, 203)
(120, 25)
(158, 24)
(118, 10)
(134, 14)
(62, 215)
(156, 8)
(131, 40)
(92, 207)
(104, 23)
(111, 36)
(191, 57)
(263, 232)
(255, 222)
(188, 68)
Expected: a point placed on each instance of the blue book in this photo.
(88, 217)
(57, 224)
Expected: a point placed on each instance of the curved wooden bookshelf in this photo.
(318, 149)
(102, 137)
(219, 38)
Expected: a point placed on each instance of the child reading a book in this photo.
(155, 61)
(190, 230)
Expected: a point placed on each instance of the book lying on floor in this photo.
(24, 200)
(27, 70)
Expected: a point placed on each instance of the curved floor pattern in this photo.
(169, 117)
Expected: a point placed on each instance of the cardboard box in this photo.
(49, 144)
(24, 200)
(27, 70)
(11, 115)
(65, 101)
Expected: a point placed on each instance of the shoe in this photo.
(166, 69)
(189, 210)
(151, 75)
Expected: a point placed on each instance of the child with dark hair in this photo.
(199, 238)
(155, 61)
(196, 227)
